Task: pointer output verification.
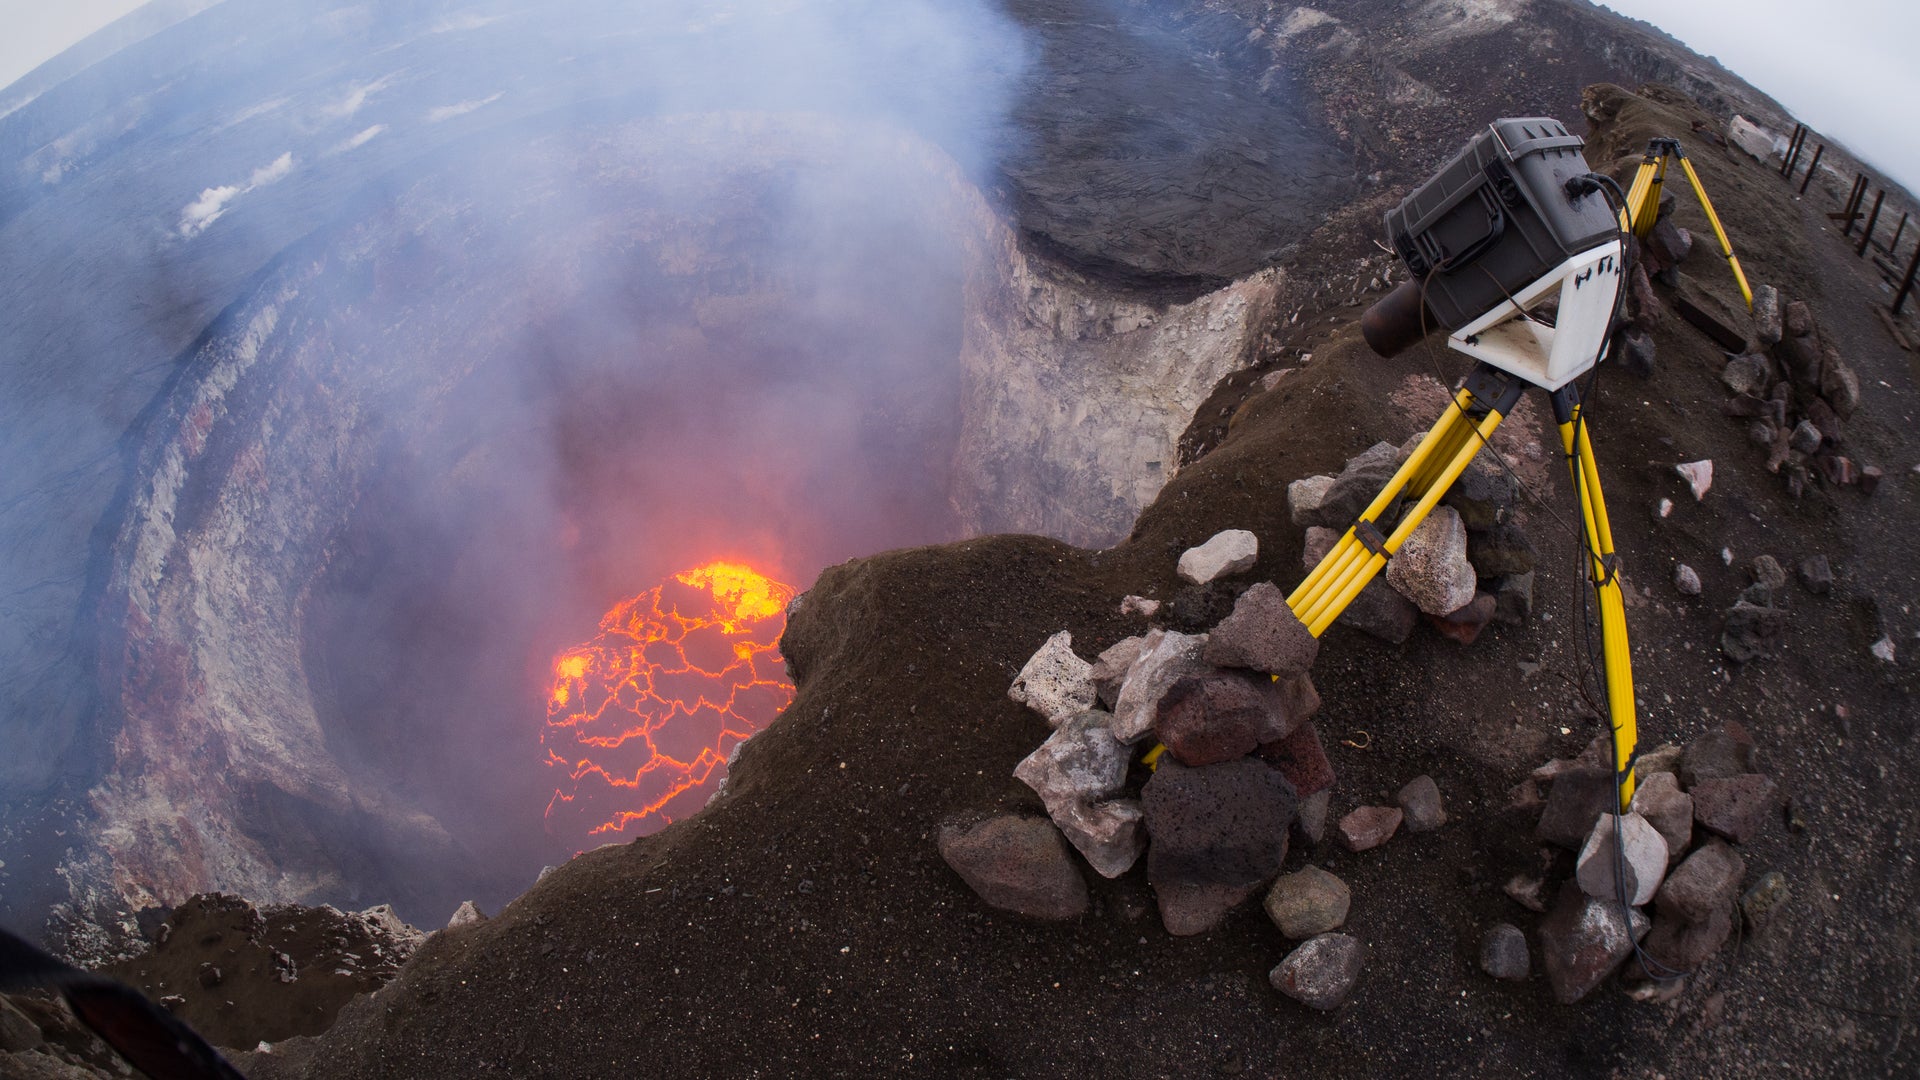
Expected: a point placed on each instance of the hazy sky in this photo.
(1850, 68)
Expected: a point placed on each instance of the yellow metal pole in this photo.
(1726, 247)
(1643, 198)
(1615, 656)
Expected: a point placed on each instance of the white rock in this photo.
(1139, 605)
(1165, 657)
(1055, 682)
(1646, 859)
(1229, 552)
(1698, 475)
(1305, 496)
(1110, 835)
(1884, 648)
(1431, 568)
(1080, 764)
(1664, 508)
(1686, 579)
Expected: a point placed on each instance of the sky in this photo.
(1850, 68)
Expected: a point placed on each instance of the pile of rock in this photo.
(1239, 769)
(1470, 563)
(1795, 392)
(1673, 850)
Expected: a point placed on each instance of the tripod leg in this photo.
(1643, 198)
(1726, 247)
(1445, 452)
(1602, 568)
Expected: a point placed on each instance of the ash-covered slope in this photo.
(806, 923)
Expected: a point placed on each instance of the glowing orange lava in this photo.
(641, 717)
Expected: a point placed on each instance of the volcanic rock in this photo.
(1513, 599)
(17, 1033)
(1220, 824)
(1583, 939)
(467, 914)
(1166, 657)
(1804, 438)
(1307, 902)
(1304, 497)
(1767, 571)
(1662, 758)
(1734, 806)
(1636, 352)
(1816, 575)
(1420, 802)
(1322, 971)
(1527, 890)
(1747, 375)
(1669, 810)
(1232, 551)
(1218, 716)
(1705, 882)
(1638, 849)
(1481, 495)
(1680, 946)
(1302, 760)
(1079, 765)
(1318, 541)
(1501, 550)
(1503, 953)
(1839, 386)
(1055, 682)
(1356, 486)
(1110, 670)
(1311, 821)
(1262, 634)
(1187, 908)
(1018, 864)
(1725, 751)
(1698, 475)
(1139, 605)
(1368, 827)
(1464, 625)
(1751, 630)
(1768, 322)
(1576, 799)
(1431, 568)
(1686, 580)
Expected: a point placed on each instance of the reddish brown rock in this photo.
(1215, 717)
(1734, 807)
(1262, 634)
(1583, 940)
(1018, 864)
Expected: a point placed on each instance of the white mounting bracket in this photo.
(1551, 356)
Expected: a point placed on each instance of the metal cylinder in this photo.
(1397, 320)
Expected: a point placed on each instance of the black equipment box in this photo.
(1497, 218)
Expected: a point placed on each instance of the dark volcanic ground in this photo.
(805, 923)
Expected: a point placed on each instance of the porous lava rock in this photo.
(1262, 634)
(1218, 716)
(1578, 796)
(1431, 567)
(1217, 824)
(1018, 864)
(1055, 682)
(1322, 971)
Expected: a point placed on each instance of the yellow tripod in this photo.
(1488, 396)
(1643, 202)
